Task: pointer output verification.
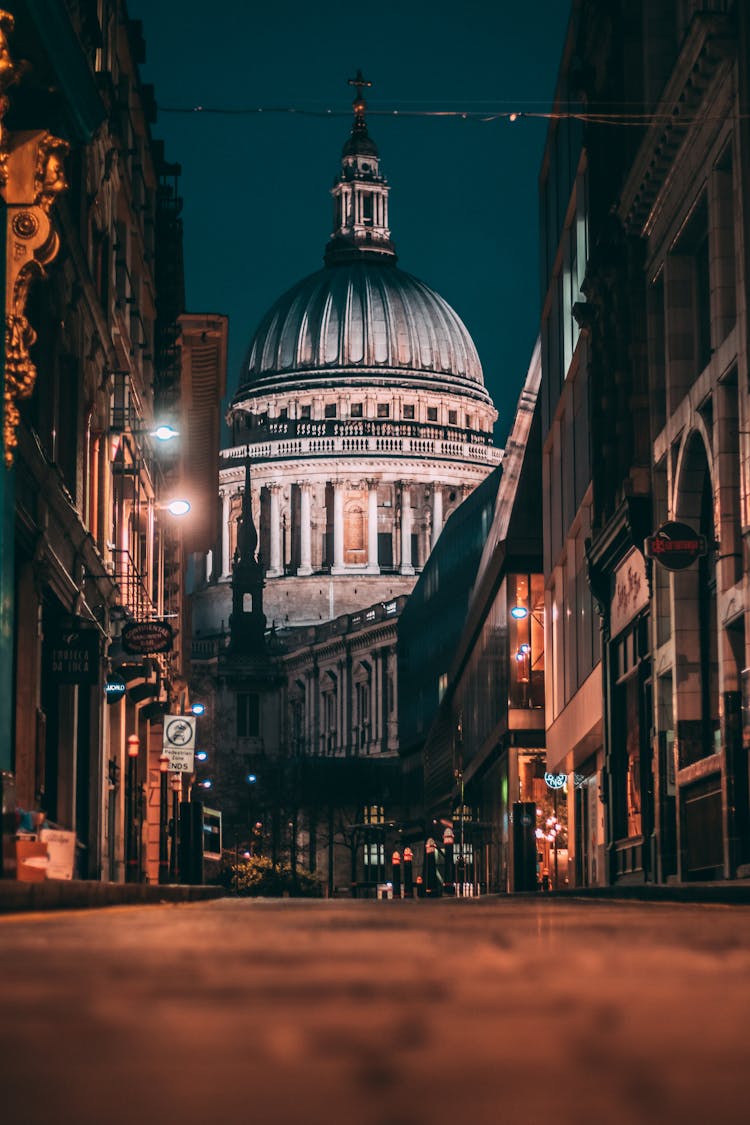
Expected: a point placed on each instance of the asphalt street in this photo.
(497, 1011)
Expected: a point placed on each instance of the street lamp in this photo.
(131, 836)
(178, 507)
(164, 432)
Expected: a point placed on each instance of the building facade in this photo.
(97, 360)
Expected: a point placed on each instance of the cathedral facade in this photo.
(363, 410)
(360, 423)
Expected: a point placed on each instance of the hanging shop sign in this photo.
(631, 592)
(74, 657)
(142, 638)
(555, 780)
(114, 689)
(676, 546)
(179, 742)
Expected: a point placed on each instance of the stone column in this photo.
(372, 527)
(437, 512)
(274, 569)
(305, 530)
(406, 563)
(338, 527)
(226, 562)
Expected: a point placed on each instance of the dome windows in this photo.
(409, 411)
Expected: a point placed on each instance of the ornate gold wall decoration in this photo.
(34, 179)
(32, 176)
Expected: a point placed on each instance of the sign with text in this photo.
(631, 592)
(74, 657)
(676, 546)
(179, 742)
(142, 638)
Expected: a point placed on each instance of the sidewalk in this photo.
(61, 894)
(736, 891)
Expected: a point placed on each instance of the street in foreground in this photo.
(490, 1011)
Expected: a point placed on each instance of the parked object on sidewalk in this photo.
(31, 859)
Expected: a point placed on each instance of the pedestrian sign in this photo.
(179, 742)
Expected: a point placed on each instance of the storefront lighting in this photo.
(519, 612)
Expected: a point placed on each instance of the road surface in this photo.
(496, 1011)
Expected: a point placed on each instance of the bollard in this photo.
(396, 863)
(430, 867)
(449, 876)
(420, 887)
(408, 876)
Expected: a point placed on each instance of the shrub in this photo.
(259, 876)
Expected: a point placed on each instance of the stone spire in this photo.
(247, 624)
(360, 195)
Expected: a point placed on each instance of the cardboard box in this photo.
(31, 860)
(61, 849)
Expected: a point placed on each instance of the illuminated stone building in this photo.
(363, 413)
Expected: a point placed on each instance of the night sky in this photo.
(463, 212)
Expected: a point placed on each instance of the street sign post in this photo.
(179, 742)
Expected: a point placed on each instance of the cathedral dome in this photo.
(361, 317)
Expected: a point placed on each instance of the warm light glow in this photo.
(178, 507)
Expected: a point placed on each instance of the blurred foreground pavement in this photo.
(477, 1012)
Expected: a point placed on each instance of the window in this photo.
(409, 410)
(356, 410)
(304, 411)
(384, 410)
(468, 421)
(248, 715)
(432, 414)
(373, 814)
(329, 410)
(452, 417)
(374, 861)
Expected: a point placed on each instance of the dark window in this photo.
(452, 418)
(329, 410)
(384, 410)
(304, 411)
(409, 410)
(432, 414)
(356, 410)
(248, 715)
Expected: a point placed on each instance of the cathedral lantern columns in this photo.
(372, 527)
(407, 566)
(437, 512)
(305, 531)
(275, 567)
(338, 527)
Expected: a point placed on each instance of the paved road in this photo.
(492, 1011)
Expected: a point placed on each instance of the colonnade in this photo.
(279, 515)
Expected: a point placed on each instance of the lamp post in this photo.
(132, 874)
(163, 799)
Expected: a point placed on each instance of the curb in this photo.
(82, 895)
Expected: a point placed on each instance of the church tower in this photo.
(247, 624)
(360, 195)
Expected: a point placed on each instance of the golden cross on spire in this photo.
(359, 104)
